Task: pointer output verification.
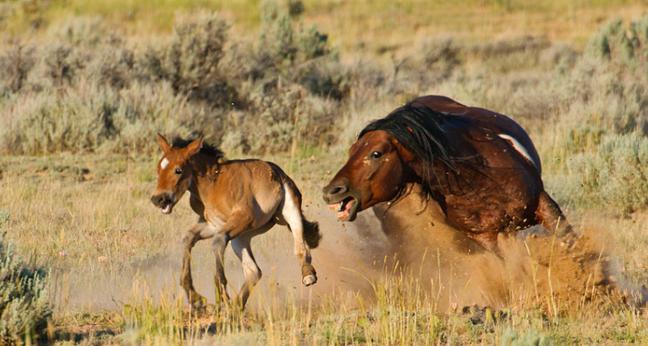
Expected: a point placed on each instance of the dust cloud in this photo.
(408, 238)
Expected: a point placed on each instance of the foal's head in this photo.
(174, 173)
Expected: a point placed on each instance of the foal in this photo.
(235, 201)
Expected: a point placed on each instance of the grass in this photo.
(85, 101)
(378, 26)
(111, 250)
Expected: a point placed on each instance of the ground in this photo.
(115, 276)
(74, 196)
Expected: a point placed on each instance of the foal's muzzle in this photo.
(164, 201)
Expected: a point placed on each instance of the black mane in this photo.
(207, 148)
(426, 133)
(430, 135)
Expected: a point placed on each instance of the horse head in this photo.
(174, 172)
(376, 171)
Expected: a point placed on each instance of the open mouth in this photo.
(167, 209)
(346, 209)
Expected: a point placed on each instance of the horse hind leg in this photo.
(291, 213)
(251, 271)
(552, 218)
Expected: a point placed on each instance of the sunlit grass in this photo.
(398, 308)
(380, 26)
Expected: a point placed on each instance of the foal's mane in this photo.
(430, 136)
(207, 148)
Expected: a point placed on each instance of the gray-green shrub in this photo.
(614, 175)
(24, 307)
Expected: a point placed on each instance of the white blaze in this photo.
(518, 147)
(164, 163)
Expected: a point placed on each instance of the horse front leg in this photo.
(191, 237)
(219, 245)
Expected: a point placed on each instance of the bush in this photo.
(617, 57)
(290, 117)
(191, 61)
(90, 117)
(15, 64)
(88, 89)
(616, 174)
(24, 309)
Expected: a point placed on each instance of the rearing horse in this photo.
(235, 201)
(480, 166)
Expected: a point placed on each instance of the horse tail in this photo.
(312, 234)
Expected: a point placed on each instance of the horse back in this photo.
(250, 185)
(481, 118)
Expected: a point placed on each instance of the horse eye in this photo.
(376, 154)
(178, 171)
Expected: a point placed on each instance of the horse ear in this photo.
(195, 146)
(406, 155)
(164, 144)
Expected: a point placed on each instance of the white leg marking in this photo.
(518, 147)
(251, 270)
(292, 215)
(164, 163)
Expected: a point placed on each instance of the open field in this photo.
(377, 26)
(80, 104)
(115, 264)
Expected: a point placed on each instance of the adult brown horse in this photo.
(235, 201)
(480, 166)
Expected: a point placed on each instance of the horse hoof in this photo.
(309, 280)
(199, 304)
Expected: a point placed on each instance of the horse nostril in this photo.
(336, 190)
(159, 200)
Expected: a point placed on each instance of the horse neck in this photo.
(435, 177)
(203, 166)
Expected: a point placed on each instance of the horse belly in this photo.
(266, 203)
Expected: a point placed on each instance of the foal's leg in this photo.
(291, 213)
(192, 236)
(251, 270)
(220, 282)
(238, 222)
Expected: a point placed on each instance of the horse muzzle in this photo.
(342, 199)
(165, 201)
